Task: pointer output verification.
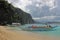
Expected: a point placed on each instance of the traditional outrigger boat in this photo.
(39, 28)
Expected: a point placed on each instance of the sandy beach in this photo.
(22, 35)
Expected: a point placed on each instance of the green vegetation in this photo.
(10, 14)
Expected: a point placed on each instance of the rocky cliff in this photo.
(9, 14)
(24, 17)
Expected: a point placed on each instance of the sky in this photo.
(38, 3)
(40, 10)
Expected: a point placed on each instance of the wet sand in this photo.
(6, 34)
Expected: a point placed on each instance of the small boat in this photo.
(38, 28)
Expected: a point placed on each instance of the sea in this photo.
(54, 32)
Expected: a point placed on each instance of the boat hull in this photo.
(38, 29)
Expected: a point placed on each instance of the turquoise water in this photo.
(54, 32)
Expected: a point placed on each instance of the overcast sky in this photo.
(39, 9)
(39, 3)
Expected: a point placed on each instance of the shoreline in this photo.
(22, 35)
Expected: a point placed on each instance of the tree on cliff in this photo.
(6, 12)
(9, 14)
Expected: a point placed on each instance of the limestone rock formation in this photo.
(10, 14)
